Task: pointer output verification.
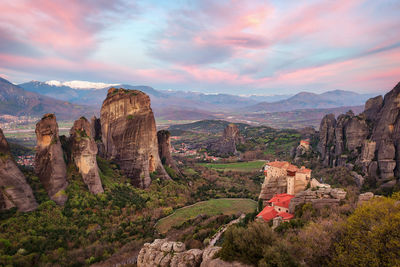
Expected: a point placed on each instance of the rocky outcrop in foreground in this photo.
(129, 135)
(370, 141)
(226, 146)
(365, 197)
(318, 198)
(164, 253)
(164, 150)
(50, 166)
(14, 190)
(84, 152)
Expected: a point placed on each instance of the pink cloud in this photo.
(109, 71)
(67, 27)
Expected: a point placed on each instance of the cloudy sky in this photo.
(238, 47)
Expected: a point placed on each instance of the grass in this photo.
(225, 206)
(249, 166)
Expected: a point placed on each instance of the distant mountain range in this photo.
(305, 100)
(16, 101)
(79, 92)
(70, 100)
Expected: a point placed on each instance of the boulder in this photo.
(14, 189)
(84, 152)
(50, 166)
(362, 198)
(164, 253)
(129, 135)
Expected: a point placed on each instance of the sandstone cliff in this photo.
(370, 140)
(164, 150)
(49, 160)
(84, 152)
(14, 190)
(226, 145)
(129, 135)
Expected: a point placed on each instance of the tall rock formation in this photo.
(164, 150)
(129, 135)
(84, 152)
(14, 190)
(49, 160)
(370, 140)
(226, 145)
(326, 137)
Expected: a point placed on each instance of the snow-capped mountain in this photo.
(82, 85)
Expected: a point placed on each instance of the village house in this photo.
(278, 206)
(305, 143)
(283, 177)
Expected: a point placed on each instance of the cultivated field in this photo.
(226, 206)
(249, 166)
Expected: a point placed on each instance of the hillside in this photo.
(16, 101)
(205, 126)
(306, 100)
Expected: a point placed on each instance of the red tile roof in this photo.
(279, 164)
(268, 213)
(285, 215)
(281, 200)
(304, 142)
(290, 167)
(304, 170)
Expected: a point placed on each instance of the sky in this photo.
(212, 46)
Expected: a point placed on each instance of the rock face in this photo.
(164, 253)
(129, 135)
(370, 140)
(226, 146)
(14, 190)
(164, 150)
(84, 152)
(49, 160)
(327, 137)
(318, 198)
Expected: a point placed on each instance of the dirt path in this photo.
(217, 236)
